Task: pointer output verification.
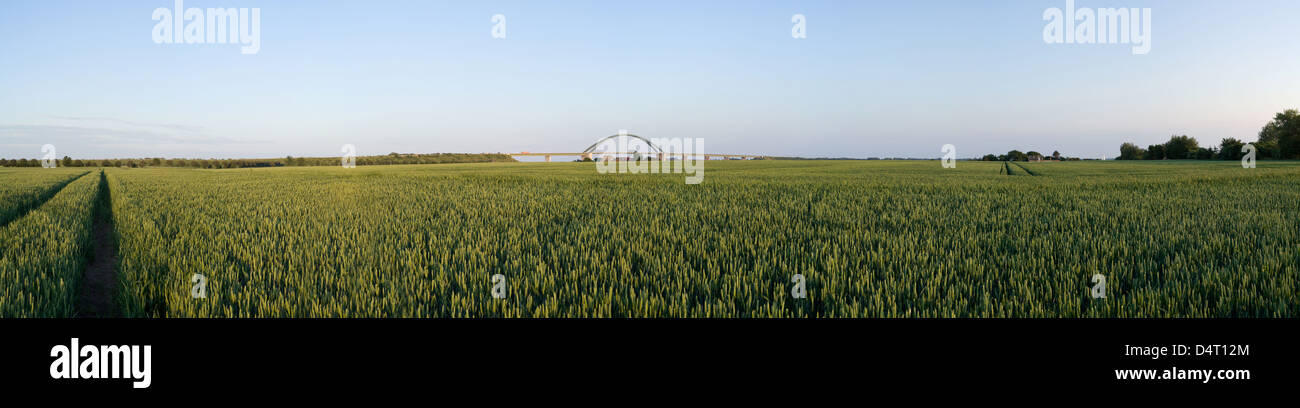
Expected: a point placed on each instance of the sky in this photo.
(871, 78)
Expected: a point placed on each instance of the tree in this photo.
(989, 157)
(1129, 151)
(1230, 149)
(1181, 147)
(1284, 130)
(1155, 152)
(1016, 155)
(1056, 155)
(1267, 150)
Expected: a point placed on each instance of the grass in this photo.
(42, 254)
(872, 239)
(23, 190)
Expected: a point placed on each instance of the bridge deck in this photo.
(647, 154)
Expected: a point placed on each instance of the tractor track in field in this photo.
(1006, 169)
(1010, 170)
(41, 199)
(1026, 169)
(95, 298)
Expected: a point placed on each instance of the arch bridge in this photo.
(590, 153)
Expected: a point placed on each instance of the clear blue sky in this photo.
(873, 78)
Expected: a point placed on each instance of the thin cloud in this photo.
(183, 128)
(40, 134)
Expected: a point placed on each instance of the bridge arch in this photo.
(653, 147)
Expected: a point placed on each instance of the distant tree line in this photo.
(1016, 155)
(1279, 139)
(391, 158)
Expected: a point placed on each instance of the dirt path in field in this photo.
(100, 282)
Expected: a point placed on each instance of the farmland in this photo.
(23, 190)
(870, 238)
(42, 253)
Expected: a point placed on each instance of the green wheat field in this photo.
(869, 238)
